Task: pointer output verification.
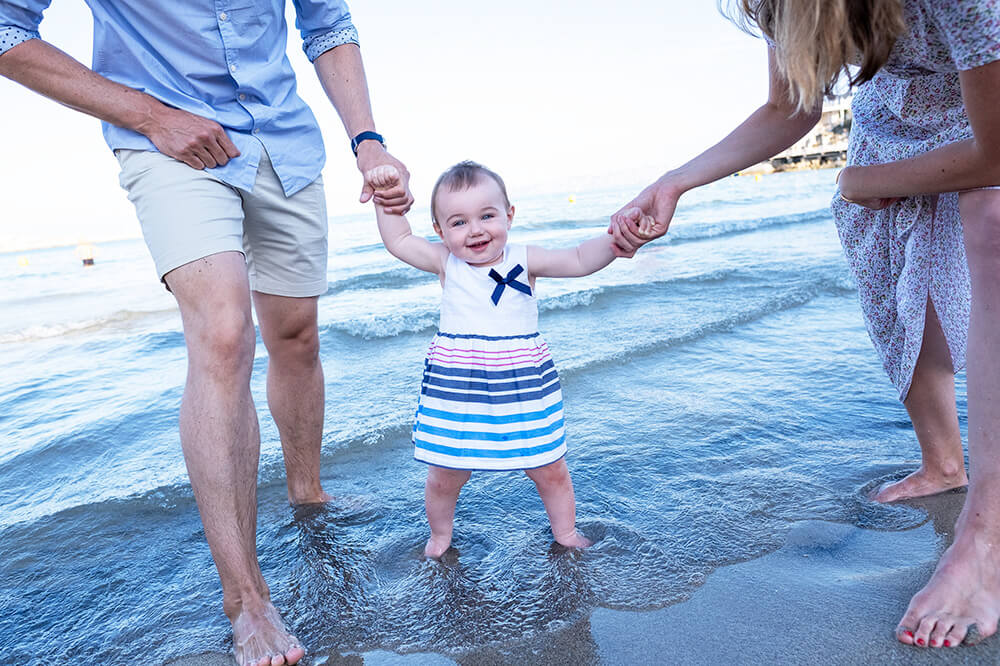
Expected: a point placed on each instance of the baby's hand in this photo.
(644, 222)
(383, 177)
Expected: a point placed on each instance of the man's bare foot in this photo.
(318, 496)
(260, 639)
(920, 483)
(961, 602)
(573, 540)
(436, 547)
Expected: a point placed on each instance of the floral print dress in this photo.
(913, 250)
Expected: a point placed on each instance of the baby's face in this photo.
(473, 223)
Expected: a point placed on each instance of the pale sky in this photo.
(556, 96)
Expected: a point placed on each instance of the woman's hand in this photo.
(850, 184)
(645, 218)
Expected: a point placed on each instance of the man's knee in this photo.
(222, 342)
(288, 327)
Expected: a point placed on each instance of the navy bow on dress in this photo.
(508, 281)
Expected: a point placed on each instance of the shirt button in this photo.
(243, 97)
(223, 16)
(232, 68)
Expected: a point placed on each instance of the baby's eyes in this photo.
(458, 223)
(487, 216)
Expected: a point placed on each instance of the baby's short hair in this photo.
(462, 176)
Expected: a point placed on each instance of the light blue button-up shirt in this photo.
(220, 59)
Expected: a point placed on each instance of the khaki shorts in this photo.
(187, 214)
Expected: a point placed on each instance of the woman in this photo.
(924, 153)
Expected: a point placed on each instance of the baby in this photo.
(490, 397)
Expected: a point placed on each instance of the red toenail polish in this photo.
(947, 643)
(908, 633)
(920, 641)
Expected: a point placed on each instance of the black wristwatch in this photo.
(366, 136)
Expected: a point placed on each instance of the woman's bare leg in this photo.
(931, 405)
(962, 599)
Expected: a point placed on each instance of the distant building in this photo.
(823, 147)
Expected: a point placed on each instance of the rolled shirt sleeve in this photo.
(323, 25)
(19, 20)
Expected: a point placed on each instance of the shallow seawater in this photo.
(719, 388)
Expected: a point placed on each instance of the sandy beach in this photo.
(831, 595)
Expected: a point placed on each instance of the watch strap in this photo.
(366, 136)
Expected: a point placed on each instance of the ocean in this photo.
(719, 387)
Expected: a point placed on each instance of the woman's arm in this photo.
(957, 166)
(767, 131)
(588, 257)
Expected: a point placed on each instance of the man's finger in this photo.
(193, 161)
(366, 193)
(217, 152)
(206, 157)
(227, 145)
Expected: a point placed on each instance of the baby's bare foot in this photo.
(436, 547)
(260, 639)
(918, 484)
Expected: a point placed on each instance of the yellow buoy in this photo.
(86, 251)
(22, 261)
(572, 199)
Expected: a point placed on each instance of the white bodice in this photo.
(467, 307)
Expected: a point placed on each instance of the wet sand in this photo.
(831, 595)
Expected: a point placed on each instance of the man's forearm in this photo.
(48, 71)
(342, 75)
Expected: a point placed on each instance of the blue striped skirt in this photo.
(489, 403)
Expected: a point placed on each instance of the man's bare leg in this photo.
(295, 389)
(961, 602)
(931, 405)
(221, 443)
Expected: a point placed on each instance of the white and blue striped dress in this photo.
(490, 397)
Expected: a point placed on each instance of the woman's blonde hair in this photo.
(815, 40)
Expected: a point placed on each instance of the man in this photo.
(222, 160)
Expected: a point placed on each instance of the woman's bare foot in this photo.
(573, 540)
(920, 483)
(260, 639)
(436, 546)
(961, 602)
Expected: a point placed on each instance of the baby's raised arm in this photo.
(396, 234)
(588, 257)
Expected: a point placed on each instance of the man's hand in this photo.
(643, 219)
(396, 199)
(198, 142)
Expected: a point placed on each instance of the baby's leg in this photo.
(556, 490)
(440, 496)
